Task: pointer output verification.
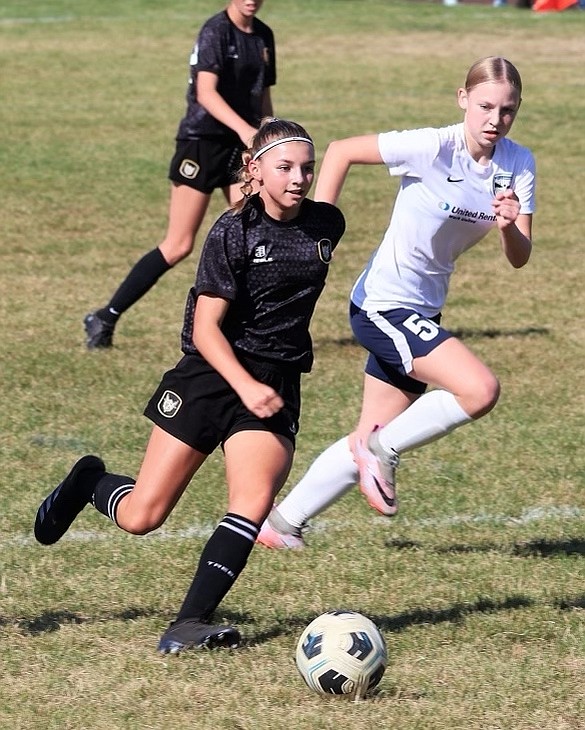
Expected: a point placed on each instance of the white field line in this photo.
(204, 530)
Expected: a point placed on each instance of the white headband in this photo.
(275, 142)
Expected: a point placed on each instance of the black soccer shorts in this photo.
(197, 406)
(205, 164)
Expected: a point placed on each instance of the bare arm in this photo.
(210, 341)
(339, 157)
(515, 228)
(213, 102)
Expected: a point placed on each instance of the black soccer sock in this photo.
(109, 491)
(142, 277)
(223, 558)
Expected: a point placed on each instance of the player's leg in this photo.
(191, 174)
(333, 472)
(137, 506)
(187, 209)
(257, 464)
(466, 389)
(167, 468)
(388, 392)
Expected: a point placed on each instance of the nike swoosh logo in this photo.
(454, 179)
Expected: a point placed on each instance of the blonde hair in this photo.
(493, 68)
(271, 130)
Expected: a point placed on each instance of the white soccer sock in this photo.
(433, 415)
(329, 477)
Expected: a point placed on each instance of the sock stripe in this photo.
(241, 526)
(115, 498)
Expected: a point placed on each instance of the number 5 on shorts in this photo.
(421, 327)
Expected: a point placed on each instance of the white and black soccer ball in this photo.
(342, 653)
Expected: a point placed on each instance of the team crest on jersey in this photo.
(325, 250)
(189, 169)
(169, 404)
(502, 181)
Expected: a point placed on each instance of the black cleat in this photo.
(100, 334)
(61, 507)
(191, 633)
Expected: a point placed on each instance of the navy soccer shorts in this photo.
(394, 339)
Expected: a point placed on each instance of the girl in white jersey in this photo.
(457, 183)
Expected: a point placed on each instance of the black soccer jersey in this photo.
(245, 65)
(272, 272)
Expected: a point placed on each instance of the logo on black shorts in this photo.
(169, 404)
(189, 169)
(325, 250)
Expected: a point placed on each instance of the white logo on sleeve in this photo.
(169, 404)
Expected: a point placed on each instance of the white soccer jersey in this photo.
(443, 207)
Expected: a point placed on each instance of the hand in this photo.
(262, 400)
(246, 135)
(506, 207)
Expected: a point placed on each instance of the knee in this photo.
(253, 507)
(485, 395)
(139, 524)
(176, 249)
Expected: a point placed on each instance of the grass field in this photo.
(478, 584)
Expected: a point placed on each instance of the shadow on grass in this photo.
(531, 549)
(550, 548)
(568, 604)
(54, 620)
(51, 621)
(455, 614)
(462, 334)
(465, 334)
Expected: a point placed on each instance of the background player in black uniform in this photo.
(245, 341)
(232, 70)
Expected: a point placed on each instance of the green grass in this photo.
(478, 583)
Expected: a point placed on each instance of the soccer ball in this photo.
(342, 653)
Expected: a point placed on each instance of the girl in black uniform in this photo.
(245, 341)
(232, 69)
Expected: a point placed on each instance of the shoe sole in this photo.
(50, 524)
(229, 639)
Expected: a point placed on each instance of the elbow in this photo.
(522, 258)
